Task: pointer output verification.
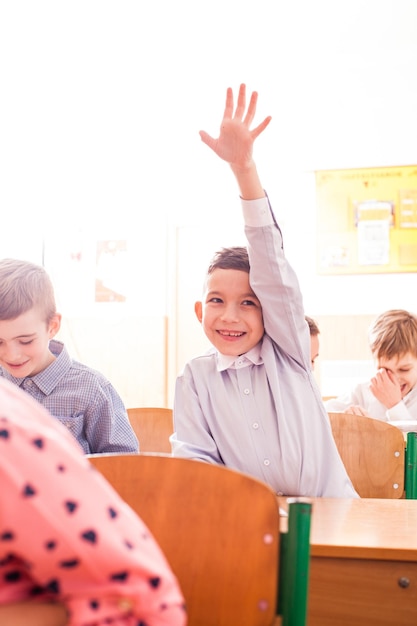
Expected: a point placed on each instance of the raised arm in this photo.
(235, 142)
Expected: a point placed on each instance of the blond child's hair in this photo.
(23, 286)
(393, 334)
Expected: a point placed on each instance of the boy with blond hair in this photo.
(391, 394)
(252, 403)
(79, 397)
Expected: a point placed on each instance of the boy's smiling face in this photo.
(231, 314)
(24, 343)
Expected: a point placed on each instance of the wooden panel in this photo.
(153, 427)
(344, 337)
(346, 592)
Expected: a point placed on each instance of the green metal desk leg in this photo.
(295, 566)
(411, 467)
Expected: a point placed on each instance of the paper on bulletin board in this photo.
(367, 220)
(373, 219)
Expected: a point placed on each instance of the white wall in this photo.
(102, 102)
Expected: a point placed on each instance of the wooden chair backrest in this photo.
(373, 454)
(153, 427)
(218, 528)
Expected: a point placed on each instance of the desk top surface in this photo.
(362, 528)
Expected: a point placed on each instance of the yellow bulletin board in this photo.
(367, 220)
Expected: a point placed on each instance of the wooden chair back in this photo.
(373, 453)
(218, 528)
(153, 427)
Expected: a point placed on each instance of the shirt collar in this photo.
(252, 357)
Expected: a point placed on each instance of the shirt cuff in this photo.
(257, 212)
(399, 412)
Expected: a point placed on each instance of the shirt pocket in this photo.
(75, 425)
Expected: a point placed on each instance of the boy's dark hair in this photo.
(235, 258)
(23, 286)
(313, 326)
(393, 334)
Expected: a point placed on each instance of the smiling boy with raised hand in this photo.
(252, 403)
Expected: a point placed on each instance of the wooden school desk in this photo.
(363, 569)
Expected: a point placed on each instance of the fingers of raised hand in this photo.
(207, 139)
(250, 114)
(241, 103)
(228, 109)
(261, 127)
(239, 113)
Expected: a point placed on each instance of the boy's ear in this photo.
(198, 308)
(54, 325)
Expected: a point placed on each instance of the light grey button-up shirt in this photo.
(262, 413)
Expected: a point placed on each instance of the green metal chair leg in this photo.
(411, 467)
(295, 566)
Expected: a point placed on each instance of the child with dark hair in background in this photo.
(314, 339)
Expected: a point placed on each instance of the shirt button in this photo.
(280, 493)
(266, 461)
(246, 392)
(255, 425)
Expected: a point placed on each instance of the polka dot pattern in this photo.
(66, 534)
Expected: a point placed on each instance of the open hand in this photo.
(235, 142)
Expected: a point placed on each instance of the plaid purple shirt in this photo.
(83, 400)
